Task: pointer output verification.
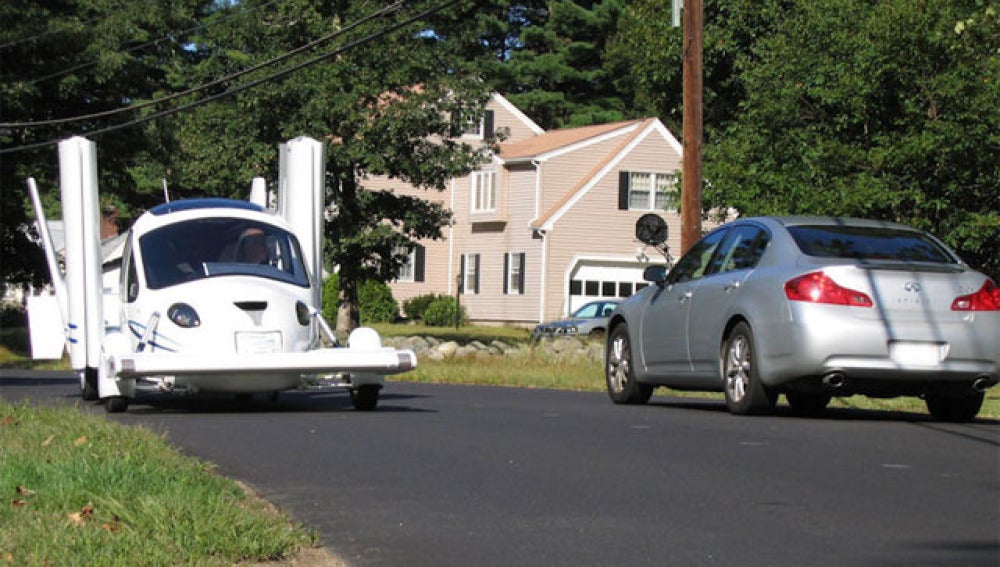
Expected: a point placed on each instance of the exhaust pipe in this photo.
(983, 383)
(834, 380)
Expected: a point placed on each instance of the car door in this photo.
(710, 305)
(664, 321)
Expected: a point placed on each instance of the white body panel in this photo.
(78, 187)
(300, 201)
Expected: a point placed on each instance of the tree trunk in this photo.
(348, 314)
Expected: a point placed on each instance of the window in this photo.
(575, 287)
(513, 270)
(470, 273)
(608, 289)
(413, 269)
(483, 198)
(694, 263)
(474, 125)
(624, 289)
(641, 191)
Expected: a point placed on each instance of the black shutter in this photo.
(520, 283)
(623, 181)
(488, 125)
(456, 124)
(506, 272)
(461, 274)
(418, 264)
(475, 280)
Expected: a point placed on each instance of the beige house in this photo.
(549, 223)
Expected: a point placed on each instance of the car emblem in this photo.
(915, 287)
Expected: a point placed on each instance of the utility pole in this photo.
(691, 165)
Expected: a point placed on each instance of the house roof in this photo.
(553, 140)
(638, 130)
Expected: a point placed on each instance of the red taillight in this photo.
(986, 299)
(817, 287)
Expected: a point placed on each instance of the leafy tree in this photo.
(67, 58)
(384, 108)
(555, 72)
(889, 113)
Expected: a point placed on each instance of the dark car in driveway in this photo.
(811, 307)
(591, 319)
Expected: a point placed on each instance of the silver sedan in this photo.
(811, 308)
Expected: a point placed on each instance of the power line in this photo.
(193, 90)
(251, 84)
(181, 33)
(36, 37)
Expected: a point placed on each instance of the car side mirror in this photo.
(655, 274)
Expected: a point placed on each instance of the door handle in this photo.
(733, 285)
(685, 296)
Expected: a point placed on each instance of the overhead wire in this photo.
(135, 48)
(104, 114)
(38, 36)
(235, 90)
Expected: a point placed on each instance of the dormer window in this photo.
(483, 191)
(479, 126)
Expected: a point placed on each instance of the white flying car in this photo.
(214, 295)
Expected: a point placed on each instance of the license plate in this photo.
(917, 354)
(258, 343)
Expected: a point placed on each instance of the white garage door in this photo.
(592, 280)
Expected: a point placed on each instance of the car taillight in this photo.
(817, 287)
(986, 299)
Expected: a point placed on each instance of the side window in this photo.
(131, 280)
(694, 264)
(741, 249)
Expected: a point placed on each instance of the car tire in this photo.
(954, 408)
(365, 398)
(619, 372)
(745, 393)
(88, 384)
(116, 404)
(804, 403)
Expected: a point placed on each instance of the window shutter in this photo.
(520, 283)
(623, 181)
(506, 273)
(461, 274)
(456, 124)
(488, 125)
(475, 280)
(418, 264)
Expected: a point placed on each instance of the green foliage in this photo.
(376, 302)
(415, 307)
(442, 312)
(890, 113)
(556, 73)
(331, 298)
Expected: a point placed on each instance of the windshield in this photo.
(203, 248)
(869, 243)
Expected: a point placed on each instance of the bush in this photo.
(376, 303)
(415, 307)
(441, 312)
(331, 298)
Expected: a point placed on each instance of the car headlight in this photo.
(183, 315)
(302, 313)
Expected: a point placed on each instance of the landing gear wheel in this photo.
(745, 394)
(116, 404)
(954, 408)
(807, 403)
(365, 398)
(88, 384)
(619, 372)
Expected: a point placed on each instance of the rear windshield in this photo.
(869, 243)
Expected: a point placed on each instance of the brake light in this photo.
(817, 287)
(986, 299)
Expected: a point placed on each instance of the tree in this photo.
(889, 113)
(384, 107)
(555, 72)
(70, 58)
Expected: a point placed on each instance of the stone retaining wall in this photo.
(547, 349)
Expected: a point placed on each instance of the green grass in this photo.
(80, 490)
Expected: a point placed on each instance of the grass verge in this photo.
(80, 490)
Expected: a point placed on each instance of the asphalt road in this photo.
(463, 476)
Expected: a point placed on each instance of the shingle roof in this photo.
(556, 139)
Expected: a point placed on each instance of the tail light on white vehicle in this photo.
(817, 287)
(986, 299)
